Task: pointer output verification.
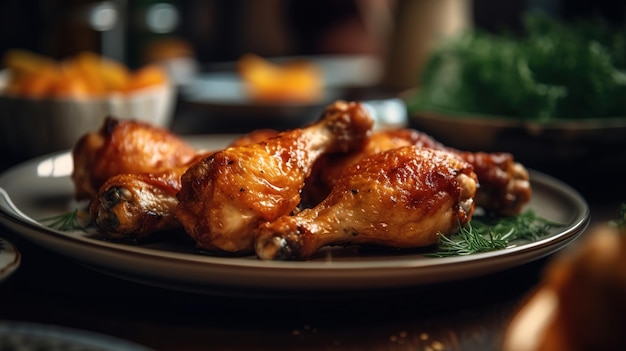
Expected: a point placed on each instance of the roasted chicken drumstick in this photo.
(225, 196)
(136, 205)
(399, 198)
(504, 186)
(121, 147)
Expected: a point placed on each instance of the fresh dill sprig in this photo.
(484, 234)
(468, 240)
(69, 221)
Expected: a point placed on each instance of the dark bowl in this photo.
(587, 153)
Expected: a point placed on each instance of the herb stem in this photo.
(489, 234)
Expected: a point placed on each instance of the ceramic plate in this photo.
(10, 259)
(41, 187)
(30, 336)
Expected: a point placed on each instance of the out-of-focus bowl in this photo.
(587, 153)
(36, 126)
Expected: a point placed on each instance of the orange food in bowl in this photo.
(102, 75)
(295, 81)
(82, 76)
(150, 75)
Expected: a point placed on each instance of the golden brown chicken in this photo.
(125, 146)
(504, 186)
(329, 168)
(136, 205)
(224, 197)
(399, 198)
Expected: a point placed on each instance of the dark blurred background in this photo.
(223, 30)
(217, 31)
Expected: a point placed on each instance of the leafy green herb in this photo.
(552, 70)
(68, 221)
(484, 234)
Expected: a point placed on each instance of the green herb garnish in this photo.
(485, 234)
(69, 221)
(552, 70)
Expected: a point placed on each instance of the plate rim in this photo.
(7, 247)
(74, 336)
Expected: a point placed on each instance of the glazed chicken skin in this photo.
(504, 186)
(225, 196)
(329, 168)
(133, 206)
(124, 146)
(403, 198)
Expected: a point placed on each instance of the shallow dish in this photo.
(571, 150)
(219, 90)
(32, 336)
(10, 259)
(41, 187)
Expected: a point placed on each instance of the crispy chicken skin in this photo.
(328, 169)
(398, 198)
(504, 186)
(133, 206)
(124, 146)
(225, 196)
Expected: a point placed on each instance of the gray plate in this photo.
(30, 336)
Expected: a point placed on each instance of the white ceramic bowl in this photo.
(31, 127)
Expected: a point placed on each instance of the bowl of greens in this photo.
(554, 95)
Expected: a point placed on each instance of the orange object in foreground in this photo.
(581, 302)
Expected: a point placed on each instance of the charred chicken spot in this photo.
(280, 247)
(241, 190)
(110, 124)
(113, 196)
(355, 191)
(154, 214)
(300, 229)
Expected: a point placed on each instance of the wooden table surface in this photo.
(467, 315)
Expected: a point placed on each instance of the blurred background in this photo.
(214, 31)
(137, 31)
(369, 49)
